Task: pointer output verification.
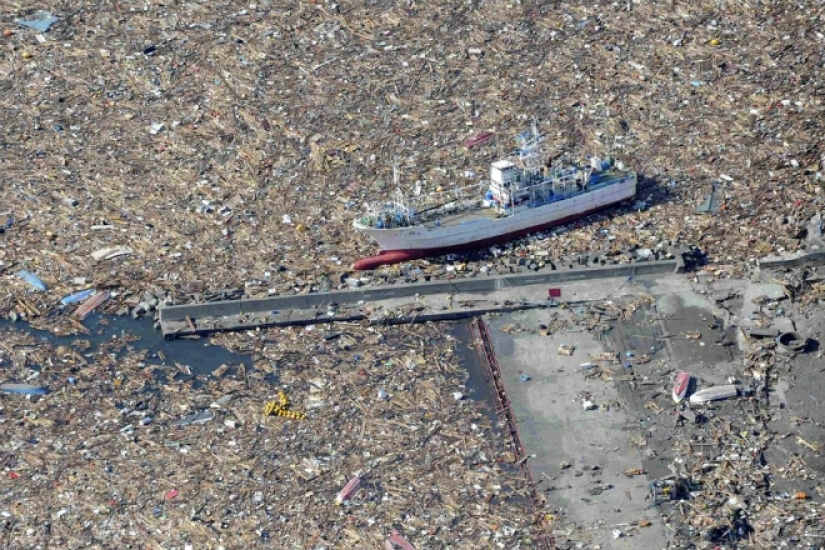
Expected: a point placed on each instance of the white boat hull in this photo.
(433, 238)
(714, 393)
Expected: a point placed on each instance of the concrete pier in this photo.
(245, 314)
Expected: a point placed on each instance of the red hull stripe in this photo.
(388, 257)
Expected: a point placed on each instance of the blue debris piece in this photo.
(32, 280)
(711, 202)
(41, 22)
(77, 296)
(524, 378)
(23, 389)
(6, 225)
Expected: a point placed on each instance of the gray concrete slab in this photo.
(480, 284)
(799, 259)
(412, 308)
(555, 427)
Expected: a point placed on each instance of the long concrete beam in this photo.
(478, 284)
(810, 258)
(204, 327)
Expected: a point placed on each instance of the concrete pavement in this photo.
(594, 492)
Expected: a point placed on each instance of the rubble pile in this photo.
(231, 147)
(133, 451)
(161, 154)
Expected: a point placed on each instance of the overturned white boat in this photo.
(716, 393)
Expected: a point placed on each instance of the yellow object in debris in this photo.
(271, 408)
(281, 408)
(290, 414)
(283, 399)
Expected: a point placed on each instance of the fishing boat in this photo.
(714, 393)
(523, 195)
(680, 386)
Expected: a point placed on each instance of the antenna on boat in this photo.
(528, 147)
(608, 144)
(396, 179)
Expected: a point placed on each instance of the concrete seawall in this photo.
(811, 258)
(458, 286)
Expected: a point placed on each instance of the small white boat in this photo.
(714, 394)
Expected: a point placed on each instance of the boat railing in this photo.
(388, 215)
(396, 214)
(601, 182)
(456, 194)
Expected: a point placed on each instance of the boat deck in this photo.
(464, 216)
(478, 211)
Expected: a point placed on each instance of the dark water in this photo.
(480, 389)
(201, 357)
(477, 383)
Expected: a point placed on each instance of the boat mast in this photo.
(530, 157)
(400, 206)
(608, 143)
